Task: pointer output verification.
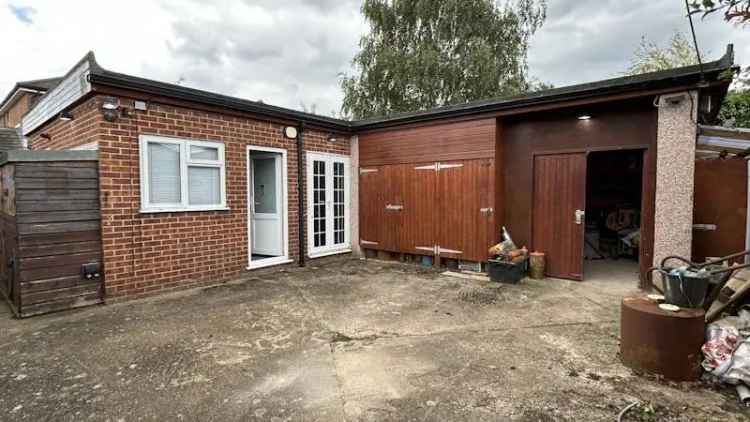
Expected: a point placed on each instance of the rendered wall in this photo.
(675, 171)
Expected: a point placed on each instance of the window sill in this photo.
(163, 210)
(328, 253)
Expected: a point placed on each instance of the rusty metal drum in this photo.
(661, 342)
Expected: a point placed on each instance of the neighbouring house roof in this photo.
(682, 78)
(10, 139)
(37, 85)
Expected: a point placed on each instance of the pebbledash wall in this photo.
(145, 253)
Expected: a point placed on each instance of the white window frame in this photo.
(185, 163)
(330, 248)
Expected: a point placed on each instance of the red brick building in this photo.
(192, 149)
(197, 187)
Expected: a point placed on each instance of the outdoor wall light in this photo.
(290, 132)
(584, 117)
(109, 109)
(332, 137)
(66, 116)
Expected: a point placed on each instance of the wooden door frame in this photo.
(646, 188)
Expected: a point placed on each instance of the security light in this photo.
(332, 137)
(66, 116)
(290, 132)
(584, 117)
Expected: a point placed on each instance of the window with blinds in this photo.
(181, 174)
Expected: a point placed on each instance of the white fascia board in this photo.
(68, 91)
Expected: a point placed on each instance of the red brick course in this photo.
(147, 253)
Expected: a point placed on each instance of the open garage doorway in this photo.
(612, 235)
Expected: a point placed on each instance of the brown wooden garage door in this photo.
(559, 194)
(414, 208)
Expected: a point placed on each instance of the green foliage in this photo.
(423, 53)
(735, 111)
(736, 11)
(649, 57)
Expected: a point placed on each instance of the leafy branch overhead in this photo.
(736, 11)
(422, 53)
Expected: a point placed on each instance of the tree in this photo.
(423, 53)
(735, 110)
(649, 57)
(737, 11)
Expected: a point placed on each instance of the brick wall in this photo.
(147, 253)
(13, 114)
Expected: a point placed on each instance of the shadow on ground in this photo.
(351, 340)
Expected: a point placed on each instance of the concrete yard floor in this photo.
(349, 340)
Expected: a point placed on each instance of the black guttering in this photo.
(679, 77)
(100, 76)
(689, 76)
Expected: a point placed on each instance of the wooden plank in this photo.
(56, 283)
(451, 141)
(36, 206)
(49, 183)
(59, 248)
(61, 305)
(72, 226)
(420, 220)
(55, 164)
(45, 195)
(40, 239)
(51, 272)
(57, 172)
(47, 296)
(57, 216)
(559, 190)
(371, 207)
(58, 260)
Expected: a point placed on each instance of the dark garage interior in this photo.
(613, 205)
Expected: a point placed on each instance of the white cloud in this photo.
(288, 52)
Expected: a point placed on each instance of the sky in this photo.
(292, 53)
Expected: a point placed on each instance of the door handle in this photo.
(580, 214)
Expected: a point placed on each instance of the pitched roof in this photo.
(42, 85)
(10, 139)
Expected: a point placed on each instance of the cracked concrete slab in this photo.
(345, 341)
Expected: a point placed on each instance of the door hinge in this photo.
(367, 242)
(438, 166)
(486, 211)
(363, 171)
(394, 207)
(437, 250)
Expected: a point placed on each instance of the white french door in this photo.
(328, 199)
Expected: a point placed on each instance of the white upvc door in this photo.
(328, 204)
(266, 205)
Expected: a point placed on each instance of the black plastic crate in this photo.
(507, 272)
